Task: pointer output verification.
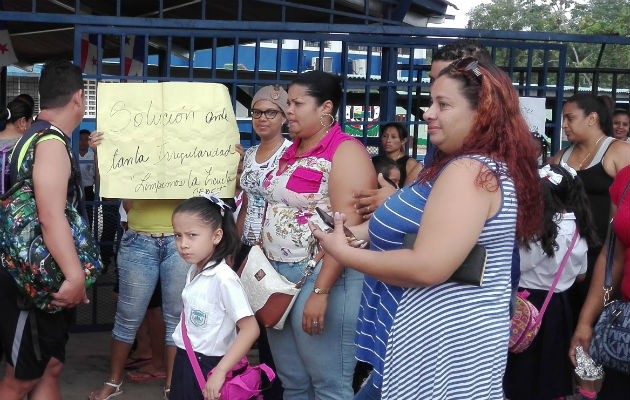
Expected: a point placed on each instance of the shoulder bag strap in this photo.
(557, 278)
(31, 140)
(191, 354)
(611, 252)
(315, 258)
(262, 225)
(22, 145)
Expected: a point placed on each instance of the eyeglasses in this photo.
(269, 114)
(469, 66)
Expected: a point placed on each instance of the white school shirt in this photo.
(538, 270)
(214, 301)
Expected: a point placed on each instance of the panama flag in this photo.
(134, 55)
(7, 55)
(89, 53)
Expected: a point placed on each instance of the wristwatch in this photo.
(321, 291)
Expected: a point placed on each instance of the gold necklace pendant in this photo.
(589, 153)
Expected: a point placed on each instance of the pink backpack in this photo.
(527, 319)
(241, 383)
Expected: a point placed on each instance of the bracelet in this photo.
(321, 291)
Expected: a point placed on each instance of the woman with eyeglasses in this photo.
(269, 106)
(314, 352)
(269, 114)
(426, 336)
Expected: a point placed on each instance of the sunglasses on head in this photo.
(469, 66)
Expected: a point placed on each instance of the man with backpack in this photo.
(34, 341)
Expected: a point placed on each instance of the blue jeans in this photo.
(368, 391)
(141, 261)
(318, 367)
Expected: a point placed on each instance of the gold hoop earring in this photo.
(332, 120)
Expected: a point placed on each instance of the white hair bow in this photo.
(568, 169)
(216, 200)
(546, 173)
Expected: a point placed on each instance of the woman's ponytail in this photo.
(14, 111)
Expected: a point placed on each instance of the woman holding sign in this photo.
(314, 352)
(147, 253)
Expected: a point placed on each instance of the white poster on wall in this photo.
(533, 111)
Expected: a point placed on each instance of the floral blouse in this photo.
(292, 191)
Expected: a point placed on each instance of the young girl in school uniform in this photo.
(215, 304)
(543, 371)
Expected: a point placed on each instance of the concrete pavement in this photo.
(87, 366)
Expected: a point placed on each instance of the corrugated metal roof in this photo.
(37, 41)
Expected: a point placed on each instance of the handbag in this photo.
(270, 294)
(526, 320)
(24, 254)
(610, 345)
(242, 382)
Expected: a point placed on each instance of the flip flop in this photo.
(136, 362)
(144, 376)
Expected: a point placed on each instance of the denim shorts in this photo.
(141, 261)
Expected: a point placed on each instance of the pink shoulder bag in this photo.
(527, 319)
(241, 383)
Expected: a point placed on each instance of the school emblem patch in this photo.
(198, 317)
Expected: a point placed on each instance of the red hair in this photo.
(500, 133)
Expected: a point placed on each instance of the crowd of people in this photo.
(379, 315)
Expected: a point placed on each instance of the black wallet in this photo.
(472, 269)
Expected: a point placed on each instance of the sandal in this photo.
(133, 362)
(117, 391)
(167, 393)
(142, 375)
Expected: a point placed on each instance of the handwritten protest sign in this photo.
(170, 140)
(533, 111)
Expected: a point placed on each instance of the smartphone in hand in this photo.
(328, 220)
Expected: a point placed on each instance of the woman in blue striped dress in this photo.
(428, 337)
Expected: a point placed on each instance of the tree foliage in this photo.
(589, 17)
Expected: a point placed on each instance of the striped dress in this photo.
(447, 341)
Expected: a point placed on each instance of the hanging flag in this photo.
(7, 55)
(134, 55)
(89, 53)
